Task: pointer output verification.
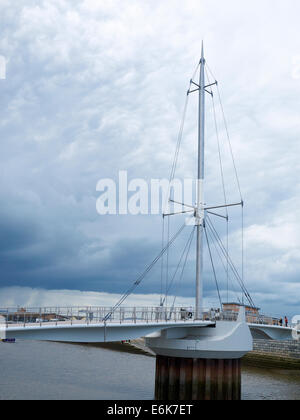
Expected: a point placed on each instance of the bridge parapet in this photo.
(92, 315)
(11, 317)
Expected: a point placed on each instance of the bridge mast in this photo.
(200, 220)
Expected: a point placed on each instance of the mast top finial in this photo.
(202, 52)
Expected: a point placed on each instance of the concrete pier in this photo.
(201, 363)
(184, 379)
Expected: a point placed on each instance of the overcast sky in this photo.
(93, 87)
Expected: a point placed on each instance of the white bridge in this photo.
(91, 324)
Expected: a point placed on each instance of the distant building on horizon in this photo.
(235, 307)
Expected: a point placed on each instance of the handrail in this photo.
(91, 315)
(94, 315)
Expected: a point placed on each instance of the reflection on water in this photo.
(55, 371)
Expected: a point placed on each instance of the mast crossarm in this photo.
(207, 91)
(219, 215)
(180, 212)
(212, 84)
(207, 208)
(195, 90)
(192, 91)
(205, 88)
(182, 204)
(225, 205)
(194, 83)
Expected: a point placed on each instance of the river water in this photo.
(58, 371)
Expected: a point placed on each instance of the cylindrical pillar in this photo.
(184, 379)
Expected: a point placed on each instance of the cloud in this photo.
(33, 298)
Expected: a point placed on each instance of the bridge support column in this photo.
(185, 379)
(195, 364)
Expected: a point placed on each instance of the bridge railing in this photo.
(91, 315)
(251, 318)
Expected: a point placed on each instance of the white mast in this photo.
(200, 202)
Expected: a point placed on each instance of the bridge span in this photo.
(91, 324)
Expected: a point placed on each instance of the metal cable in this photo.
(187, 246)
(180, 135)
(228, 136)
(224, 189)
(231, 264)
(213, 267)
(225, 268)
(162, 261)
(142, 276)
(167, 268)
(184, 265)
(234, 165)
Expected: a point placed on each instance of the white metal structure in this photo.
(87, 325)
(200, 220)
(227, 340)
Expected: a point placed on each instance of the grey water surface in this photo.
(59, 371)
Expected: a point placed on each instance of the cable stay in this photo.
(168, 258)
(224, 267)
(141, 278)
(228, 136)
(162, 260)
(223, 187)
(183, 268)
(223, 249)
(213, 268)
(231, 264)
(180, 136)
(185, 251)
(238, 278)
(221, 168)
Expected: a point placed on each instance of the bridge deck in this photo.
(123, 324)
